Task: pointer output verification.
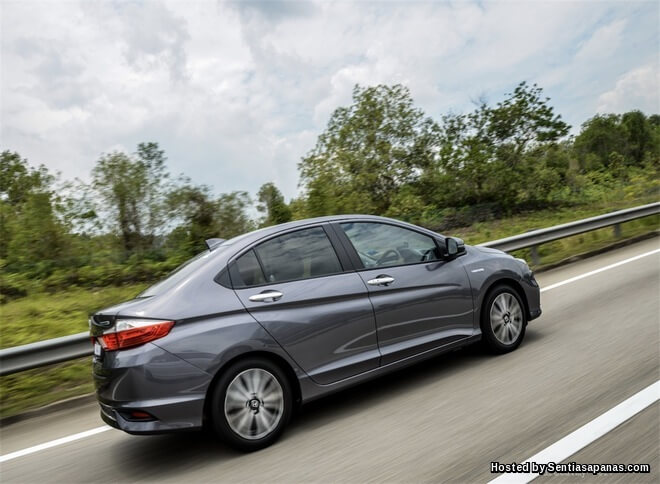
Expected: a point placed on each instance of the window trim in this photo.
(346, 245)
(355, 257)
(231, 267)
(340, 254)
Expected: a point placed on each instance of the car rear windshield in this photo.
(181, 272)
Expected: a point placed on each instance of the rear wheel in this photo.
(503, 320)
(251, 404)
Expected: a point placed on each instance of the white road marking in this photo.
(588, 433)
(54, 443)
(591, 273)
(97, 430)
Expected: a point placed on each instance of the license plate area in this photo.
(98, 351)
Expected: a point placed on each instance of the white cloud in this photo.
(637, 89)
(603, 43)
(236, 92)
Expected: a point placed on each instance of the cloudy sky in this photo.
(237, 92)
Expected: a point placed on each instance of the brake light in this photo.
(140, 415)
(133, 332)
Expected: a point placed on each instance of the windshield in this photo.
(181, 273)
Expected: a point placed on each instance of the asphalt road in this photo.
(597, 343)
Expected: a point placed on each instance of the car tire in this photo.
(251, 404)
(503, 319)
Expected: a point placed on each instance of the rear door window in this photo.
(298, 255)
(293, 256)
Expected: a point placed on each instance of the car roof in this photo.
(255, 235)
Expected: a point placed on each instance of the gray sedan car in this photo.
(239, 336)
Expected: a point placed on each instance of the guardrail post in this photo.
(617, 231)
(536, 259)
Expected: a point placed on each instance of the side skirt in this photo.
(311, 391)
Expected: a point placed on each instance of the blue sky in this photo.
(236, 92)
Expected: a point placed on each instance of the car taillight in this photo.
(133, 332)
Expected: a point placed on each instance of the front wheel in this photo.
(503, 320)
(251, 404)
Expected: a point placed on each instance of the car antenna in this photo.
(213, 243)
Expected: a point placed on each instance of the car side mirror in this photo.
(454, 247)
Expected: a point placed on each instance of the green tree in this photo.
(272, 205)
(517, 133)
(368, 151)
(197, 211)
(18, 180)
(134, 190)
(152, 161)
(39, 241)
(631, 138)
(484, 157)
(27, 214)
(465, 164)
(232, 216)
(524, 118)
(599, 137)
(639, 137)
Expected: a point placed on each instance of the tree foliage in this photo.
(630, 138)
(18, 180)
(380, 155)
(272, 205)
(195, 210)
(232, 214)
(367, 152)
(29, 227)
(133, 189)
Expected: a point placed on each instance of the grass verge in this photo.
(38, 387)
(43, 316)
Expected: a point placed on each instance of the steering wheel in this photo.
(387, 256)
(426, 256)
(367, 260)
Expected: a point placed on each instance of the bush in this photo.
(11, 288)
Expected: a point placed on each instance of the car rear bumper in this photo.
(168, 416)
(151, 380)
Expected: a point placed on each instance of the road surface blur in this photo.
(597, 343)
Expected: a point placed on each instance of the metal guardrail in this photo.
(43, 353)
(57, 350)
(535, 238)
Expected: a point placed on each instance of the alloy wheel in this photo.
(506, 318)
(254, 403)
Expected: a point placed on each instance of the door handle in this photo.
(266, 296)
(381, 280)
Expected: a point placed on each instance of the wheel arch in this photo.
(504, 281)
(267, 355)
